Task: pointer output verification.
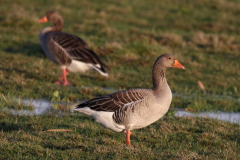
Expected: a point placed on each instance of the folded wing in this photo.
(76, 48)
(115, 101)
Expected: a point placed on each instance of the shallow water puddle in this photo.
(46, 107)
(42, 106)
(224, 116)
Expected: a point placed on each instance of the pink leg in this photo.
(64, 77)
(128, 133)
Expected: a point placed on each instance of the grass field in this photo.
(23, 137)
(128, 36)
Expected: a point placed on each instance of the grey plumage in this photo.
(64, 48)
(120, 103)
(135, 108)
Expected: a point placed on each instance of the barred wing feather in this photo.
(115, 101)
(76, 48)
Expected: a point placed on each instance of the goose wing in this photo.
(76, 48)
(115, 101)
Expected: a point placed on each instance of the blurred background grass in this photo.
(129, 36)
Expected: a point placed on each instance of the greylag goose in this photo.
(68, 51)
(135, 108)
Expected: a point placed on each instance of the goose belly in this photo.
(103, 118)
(106, 120)
(148, 118)
(147, 115)
(153, 110)
(78, 66)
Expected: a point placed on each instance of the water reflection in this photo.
(46, 107)
(42, 106)
(224, 116)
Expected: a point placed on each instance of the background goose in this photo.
(136, 108)
(67, 50)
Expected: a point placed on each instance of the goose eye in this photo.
(49, 14)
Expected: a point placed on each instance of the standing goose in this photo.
(68, 51)
(135, 108)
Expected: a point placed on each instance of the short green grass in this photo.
(128, 36)
(23, 137)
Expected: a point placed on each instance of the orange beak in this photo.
(178, 65)
(43, 20)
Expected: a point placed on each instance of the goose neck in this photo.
(159, 78)
(58, 25)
